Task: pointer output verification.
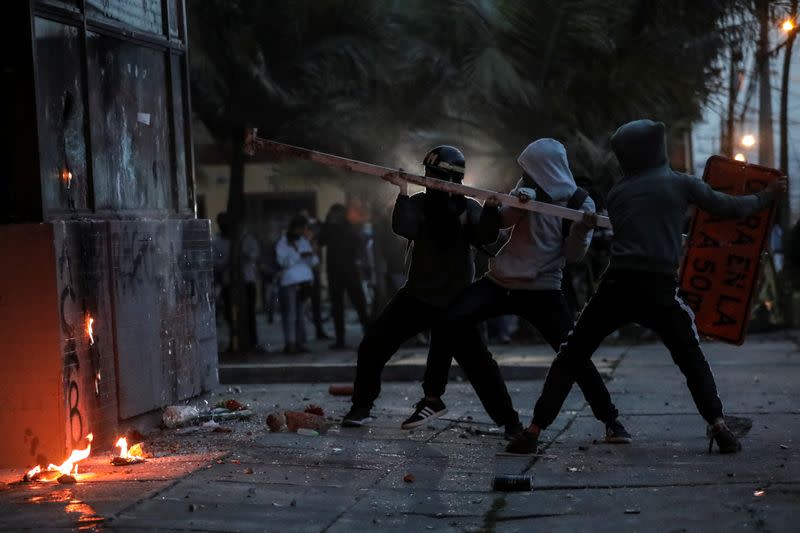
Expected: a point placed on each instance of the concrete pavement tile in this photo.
(671, 450)
(699, 508)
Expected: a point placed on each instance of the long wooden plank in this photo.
(360, 167)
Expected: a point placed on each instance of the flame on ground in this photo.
(77, 455)
(89, 330)
(70, 466)
(135, 451)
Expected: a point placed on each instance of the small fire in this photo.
(70, 466)
(77, 455)
(89, 330)
(128, 456)
(66, 175)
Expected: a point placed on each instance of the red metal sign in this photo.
(721, 267)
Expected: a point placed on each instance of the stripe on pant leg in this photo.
(689, 312)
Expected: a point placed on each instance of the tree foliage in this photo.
(372, 79)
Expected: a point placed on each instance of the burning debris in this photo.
(66, 472)
(127, 457)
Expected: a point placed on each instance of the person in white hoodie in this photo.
(524, 278)
(296, 258)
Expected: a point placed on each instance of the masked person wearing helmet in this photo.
(441, 229)
(647, 208)
(524, 278)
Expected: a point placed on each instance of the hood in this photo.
(545, 160)
(640, 145)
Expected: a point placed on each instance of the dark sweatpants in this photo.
(650, 300)
(405, 316)
(546, 310)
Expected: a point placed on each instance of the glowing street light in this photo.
(740, 157)
(788, 25)
(748, 140)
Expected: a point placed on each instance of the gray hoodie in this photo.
(536, 252)
(648, 205)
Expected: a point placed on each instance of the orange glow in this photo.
(122, 444)
(135, 451)
(740, 157)
(788, 25)
(33, 471)
(77, 455)
(66, 176)
(89, 330)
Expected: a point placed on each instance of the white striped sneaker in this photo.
(424, 410)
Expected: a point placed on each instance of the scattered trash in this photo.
(632, 511)
(222, 429)
(307, 432)
(492, 432)
(409, 478)
(192, 507)
(231, 405)
(248, 471)
(296, 420)
(210, 424)
(583, 448)
(572, 469)
(179, 415)
(276, 422)
(340, 390)
(511, 483)
(314, 410)
(337, 450)
(784, 447)
(759, 493)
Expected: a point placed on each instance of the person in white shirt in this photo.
(296, 259)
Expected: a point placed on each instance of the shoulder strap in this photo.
(575, 202)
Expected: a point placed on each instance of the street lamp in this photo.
(748, 140)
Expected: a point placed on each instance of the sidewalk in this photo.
(353, 479)
(517, 361)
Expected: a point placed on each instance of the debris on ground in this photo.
(296, 420)
(314, 410)
(276, 422)
(308, 432)
(632, 511)
(179, 415)
(67, 479)
(408, 478)
(231, 405)
(340, 390)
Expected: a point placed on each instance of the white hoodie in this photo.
(536, 252)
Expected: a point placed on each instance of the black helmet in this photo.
(445, 162)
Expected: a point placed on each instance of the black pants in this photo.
(546, 310)
(338, 284)
(405, 316)
(316, 303)
(650, 300)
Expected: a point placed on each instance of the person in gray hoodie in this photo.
(524, 278)
(647, 208)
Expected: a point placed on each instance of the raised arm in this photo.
(701, 194)
(407, 216)
(580, 235)
(484, 222)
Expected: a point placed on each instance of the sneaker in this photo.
(616, 433)
(726, 440)
(512, 431)
(526, 443)
(357, 417)
(424, 410)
